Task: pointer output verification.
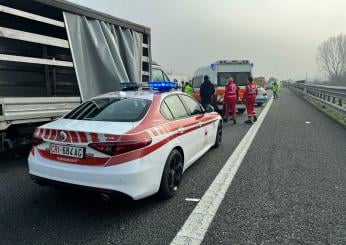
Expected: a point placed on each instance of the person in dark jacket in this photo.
(206, 91)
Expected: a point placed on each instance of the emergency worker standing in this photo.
(231, 98)
(188, 89)
(275, 90)
(206, 91)
(250, 98)
(183, 84)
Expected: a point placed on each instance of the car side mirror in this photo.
(209, 109)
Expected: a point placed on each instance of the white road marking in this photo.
(197, 224)
(192, 199)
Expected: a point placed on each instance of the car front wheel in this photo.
(218, 138)
(172, 174)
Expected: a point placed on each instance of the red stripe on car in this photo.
(111, 138)
(74, 137)
(39, 134)
(134, 155)
(83, 137)
(69, 138)
(94, 137)
(53, 135)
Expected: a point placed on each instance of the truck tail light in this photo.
(117, 148)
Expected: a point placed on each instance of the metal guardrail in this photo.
(330, 95)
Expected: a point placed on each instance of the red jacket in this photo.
(250, 91)
(231, 92)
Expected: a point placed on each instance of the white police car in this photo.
(134, 142)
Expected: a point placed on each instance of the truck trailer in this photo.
(55, 54)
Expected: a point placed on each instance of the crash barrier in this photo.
(330, 95)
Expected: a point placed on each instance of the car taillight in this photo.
(36, 141)
(117, 148)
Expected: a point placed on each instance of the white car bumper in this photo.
(137, 179)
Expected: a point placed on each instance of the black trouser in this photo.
(205, 105)
(275, 94)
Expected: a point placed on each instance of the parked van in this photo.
(218, 73)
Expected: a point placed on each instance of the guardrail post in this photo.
(333, 100)
(340, 102)
(324, 96)
(328, 98)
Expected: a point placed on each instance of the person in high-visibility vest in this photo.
(275, 89)
(230, 99)
(188, 89)
(250, 100)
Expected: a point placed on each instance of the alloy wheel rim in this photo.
(175, 172)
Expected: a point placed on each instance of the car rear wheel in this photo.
(218, 138)
(172, 174)
(259, 104)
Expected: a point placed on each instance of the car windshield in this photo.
(111, 110)
(240, 78)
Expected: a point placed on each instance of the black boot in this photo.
(234, 121)
(248, 121)
(255, 119)
(225, 120)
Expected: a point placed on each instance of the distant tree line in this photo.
(331, 57)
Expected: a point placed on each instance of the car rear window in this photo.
(111, 110)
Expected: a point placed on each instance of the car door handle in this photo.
(181, 130)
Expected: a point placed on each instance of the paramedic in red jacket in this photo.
(250, 100)
(231, 98)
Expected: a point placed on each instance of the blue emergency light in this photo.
(162, 86)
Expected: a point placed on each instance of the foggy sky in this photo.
(279, 36)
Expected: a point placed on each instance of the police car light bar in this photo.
(162, 86)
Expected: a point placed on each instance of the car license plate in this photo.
(66, 150)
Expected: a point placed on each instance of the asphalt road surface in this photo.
(290, 188)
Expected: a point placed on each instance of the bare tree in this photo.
(331, 57)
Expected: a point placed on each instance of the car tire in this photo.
(259, 104)
(218, 139)
(172, 174)
(241, 111)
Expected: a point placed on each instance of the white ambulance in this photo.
(218, 73)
